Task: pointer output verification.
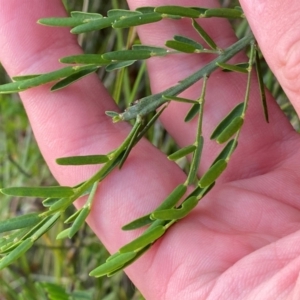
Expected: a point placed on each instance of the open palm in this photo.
(242, 241)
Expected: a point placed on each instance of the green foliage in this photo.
(55, 203)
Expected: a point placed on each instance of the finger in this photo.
(275, 25)
(224, 91)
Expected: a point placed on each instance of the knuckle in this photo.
(289, 63)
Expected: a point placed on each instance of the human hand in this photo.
(241, 242)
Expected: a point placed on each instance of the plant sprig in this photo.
(25, 230)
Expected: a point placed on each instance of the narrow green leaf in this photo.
(156, 223)
(154, 51)
(179, 99)
(61, 22)
(236, 112)
(176, 214)
(129, 262)
(182, 152)
(9, 247)
(12, 237)
(230, 130)
(119, 65)
(42, 192)
(199, 192)
(261, 86)
(19, 222)
(146, 9)
(150, 123)
(72, 217)
(84, 212)
(133, 141)
(145, 239)
(72, 78)
(85, 59)
(49, 222)
(173, 197)
(230, 147)
(195, 161)
(50, 201)
(96, 24)
(169, 202)
(112, 114)
(63, 234)
(61, 204)
(145, 18)
(16, 253)
(127, 55)
(137, 223)
(229, 13)
(113, 264)
(82, 160)
(178, 11)
(180, 46)
(243, 66)
(205, 36)
(85, 15)
(56, 292)
(234, 68)
(188, 41)
(192, 112)
(122, 13)
(25, 77)
(15, 87)
(213, 173)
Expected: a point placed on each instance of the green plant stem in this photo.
(101, 174)
(151, 103)
(247, 96)
(199, 139)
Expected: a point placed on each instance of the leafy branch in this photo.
(28, 228)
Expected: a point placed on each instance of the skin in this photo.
(242, 241)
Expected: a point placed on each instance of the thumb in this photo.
(275, 25)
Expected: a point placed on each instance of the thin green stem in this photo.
(199, 139)
(151, 103)
(247, 96)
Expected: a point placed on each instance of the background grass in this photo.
(62, 266)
